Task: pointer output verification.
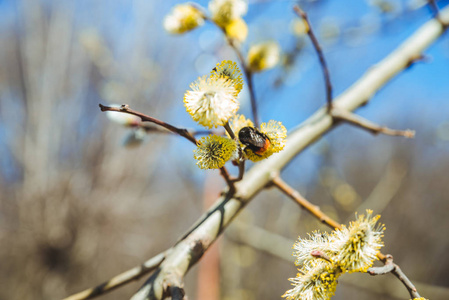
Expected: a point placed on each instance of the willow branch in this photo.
(145, 118)
(302, 14)
(358, 121)
(201, 236)
(121, 279)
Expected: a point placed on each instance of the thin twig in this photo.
(352, 118)
(387, 268)
(241, 165)
(121, 279)
(393, 268)
(156, 129)
(125, 109)
(404, 279)
(229, 131)
(224, 172)
(302, 14)
(252, 94)
(299, 199)
(311, 208)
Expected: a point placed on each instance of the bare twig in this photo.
(125, 109)
(299, 199)
(356, 120)
(393, 268)
(252, 94)
(407, 283)
(302, 14)
(241, 165)
(156, 129)
(121, 279)
(224, 172)
(229, 131)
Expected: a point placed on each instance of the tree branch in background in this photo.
(302, 14)
(121, 279)
(358, 121)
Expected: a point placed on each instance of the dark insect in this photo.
(254, 140)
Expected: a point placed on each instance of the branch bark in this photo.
(199, 238)
(121, 279)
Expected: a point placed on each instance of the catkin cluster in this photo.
(324, 257)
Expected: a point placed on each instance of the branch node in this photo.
(124, 107)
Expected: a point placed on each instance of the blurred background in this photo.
(83, 199)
